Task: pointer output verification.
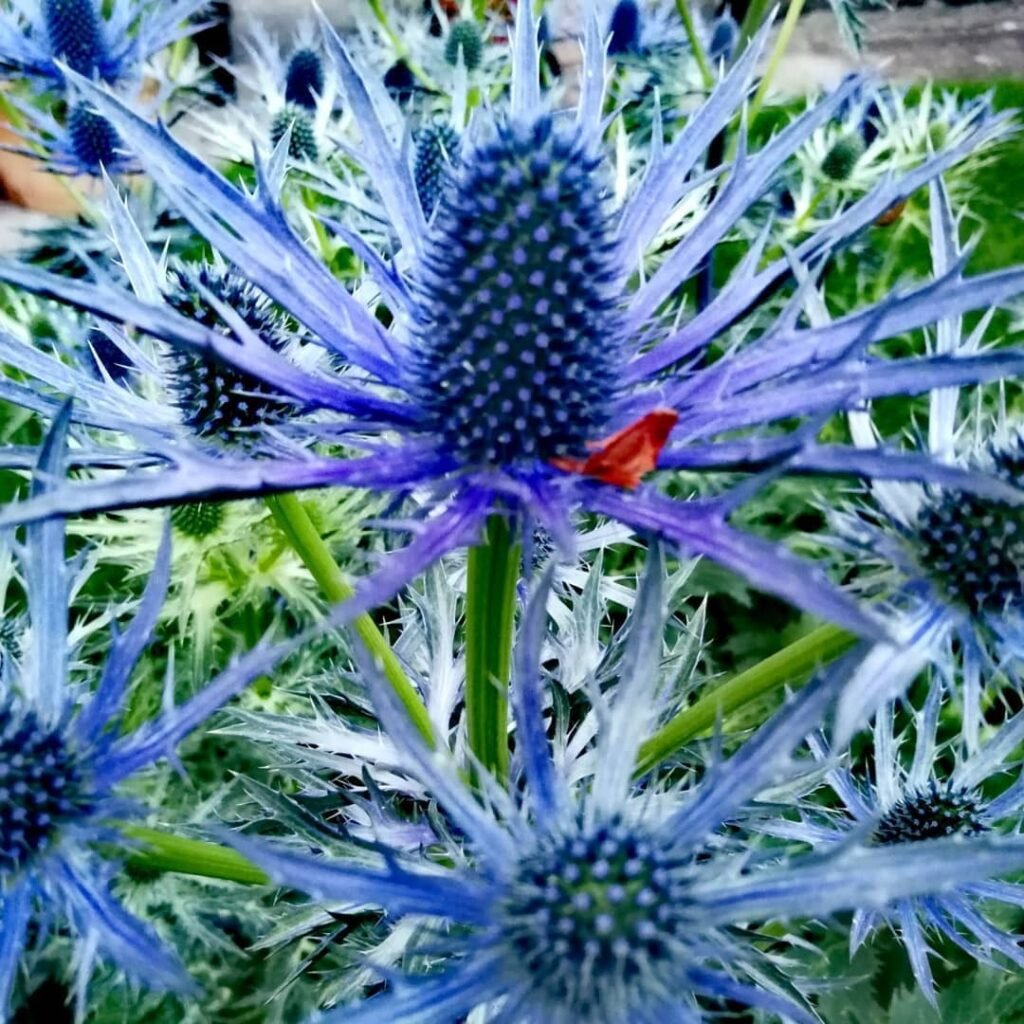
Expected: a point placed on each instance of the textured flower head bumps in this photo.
(524, 352)
(39, 39)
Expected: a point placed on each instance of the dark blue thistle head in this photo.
(437, 148)
(725, 34)
(517, 350)
(304, 79)
(935, 812)
(972, 549)
(464, 38)
(624, 28)
(92, 139)
(400, 82)
(841, 159)
(75, 34)
(217, 401)
(42, 787)
(593, 917)
(302, 144)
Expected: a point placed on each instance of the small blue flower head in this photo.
(216, 400)
(437, 149)
(304, 78)
(536, 340)
(910, 805)
(108, 41)
(81, 142)
(74, 31)
(576, 894)
(725, 34)
(304, 86)
(465, 42)
(624, 28)
(62, 757)
(949, 564)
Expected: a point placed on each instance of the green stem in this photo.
(401, 50)
(490, 611)
(296, 525)
(752, 21)
(683, 7)
(792, 665)
(778, 52)
(165, 852)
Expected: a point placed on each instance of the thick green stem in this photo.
(791, 666)
(161, 851)
(296, 525)
(752, 21)
(683, 7)
(490, 611)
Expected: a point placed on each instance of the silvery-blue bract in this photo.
(568, 895)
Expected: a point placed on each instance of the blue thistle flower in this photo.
(62, 758)
(522, 250)
(581, 895)
(466, 42)
(910, 807)
(92, 139)
(725, 34)
(522, 337)
(948, 566)
(304, 78)
(437, 149)
(105, 41)
(624, 28)
(75, 35)
(302, 143)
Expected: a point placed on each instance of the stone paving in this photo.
(983, 40)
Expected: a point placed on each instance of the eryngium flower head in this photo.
(62, 756)
(465, 42)
(535, 355)
(949, 566)
(304, 78)
(624, 28)
(75, 34)
(437, 149)
(91, 139)
(518, 339)
(914, 802)
(576, 894)
(109, 41)
(217, 401)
